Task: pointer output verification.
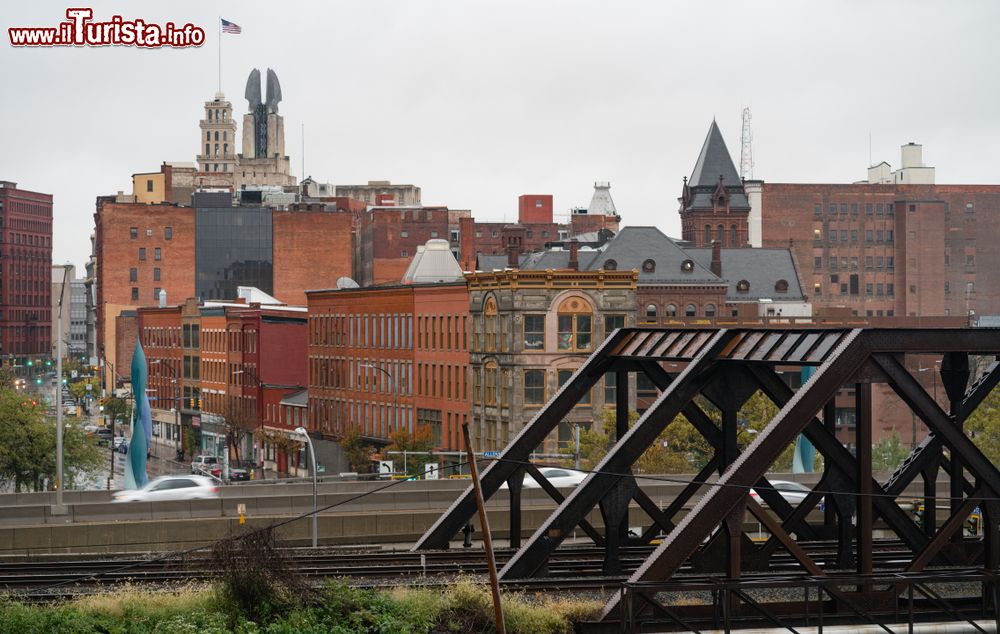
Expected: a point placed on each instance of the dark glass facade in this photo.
(233, 247)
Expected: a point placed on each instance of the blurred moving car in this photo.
(558, 476)
(201, 464)
(119, 441)
(793, 492)
(104, 436)
(182, 487)
(122, 447)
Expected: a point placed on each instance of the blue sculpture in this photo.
(805, 453)
(142, 424)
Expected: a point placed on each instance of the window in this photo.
(156, 294)
(878, 209)
(868, 209)
(687, 266)
(969, 208)
(534, 332)
(833, 209)
(610, 265)
(869, 262)
(843, 235)
(133, 232)
(574, 331)
(710, 310)
(612, 323)
(149, 185)
(743, 286)
(781, 286)
(434, 234)
(142, 254)
(832, 235)
(708, 234)
(869, 235)
(818, 262)
(818, 288)
(671, 310)
(843, 209)
(869, 288)
(888, 235)
(650, 311)
(156, 274)
(404, 253)
(610, 388)
(168, 233)
(156, 253)
(854, 235)
(135, 293)
(970, 260)
(690, 310)
(133, 275)
(880, 289)
(564, 376)
(854, 209)
(854, 263)
(889, 290)
(648, 266)
(534, 387)
(947, 287)
(817, 211)
(913, 208)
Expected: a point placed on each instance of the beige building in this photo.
(382, 194)
(218, 137)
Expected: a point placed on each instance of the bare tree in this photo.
(239, 423)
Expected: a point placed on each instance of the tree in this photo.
(283, 444)
(888, 452)
(79, 388)
(239, 424)
(983, 426)
(420, 441)
(7, 378)
(357, 452)
(28, 446)
(116, 409)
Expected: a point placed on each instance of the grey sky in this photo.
(480, 102)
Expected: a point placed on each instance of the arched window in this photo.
(648, 266)
(651, 311)
(720, 234)
(575, 324)
(710, 310)
(743, 286)
(687, 266)
(781, 286)
(732, 236)
(708, 235)
(491, 321)
(690, 310)
(671, 310)
(610, 265)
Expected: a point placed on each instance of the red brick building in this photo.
(213, 361)
(890, 249)
(26, 277)
(393, 357)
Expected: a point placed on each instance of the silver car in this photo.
(173, 487)
(793, 492)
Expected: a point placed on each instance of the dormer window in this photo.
(687, 266)
(781, 286)
(648, 266)
(743, 286)
(610, 265)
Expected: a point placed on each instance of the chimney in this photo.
(574, 251)
(717, 258)
(513, 259)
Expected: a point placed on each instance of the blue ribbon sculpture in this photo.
(142, 424)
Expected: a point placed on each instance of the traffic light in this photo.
(199, 404)
(30, 363)
(38, 381)
(48, 362)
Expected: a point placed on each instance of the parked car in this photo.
(119, 441)
(793, 492)
(557, 476)
(239, 474)
(122, 447)
(104, 436)
(201, 464)
(183, 487)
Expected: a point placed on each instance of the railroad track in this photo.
(571, 567)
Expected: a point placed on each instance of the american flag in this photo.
(230, 27)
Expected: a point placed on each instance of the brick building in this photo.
(530, 331)
(26, 277)
(382, 194)
(213, 361)
(388, 238)
(392, 357)
(714, 203)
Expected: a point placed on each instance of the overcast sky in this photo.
(480, 102)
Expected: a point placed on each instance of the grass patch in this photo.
(335, 608)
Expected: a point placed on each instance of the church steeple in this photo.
(714, 205)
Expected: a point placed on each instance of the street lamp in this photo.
(312, 457)
(59, 509)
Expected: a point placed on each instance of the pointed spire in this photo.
(714, 161)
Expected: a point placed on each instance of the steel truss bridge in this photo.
(944, 576)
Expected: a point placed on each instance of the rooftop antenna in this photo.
(303, 151)
(870, 163)
(746, 148)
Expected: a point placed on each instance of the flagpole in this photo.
(220, 53)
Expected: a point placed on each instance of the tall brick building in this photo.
(26, 277)
(890, 247)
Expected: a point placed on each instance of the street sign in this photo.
(431, 472)
(385, 467)
(491, 454)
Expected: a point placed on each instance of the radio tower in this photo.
(746, 153)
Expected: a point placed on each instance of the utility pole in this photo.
(59, 508)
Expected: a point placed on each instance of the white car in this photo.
(557, 476)
(182, 487)
(793, 492)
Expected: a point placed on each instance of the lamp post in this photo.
(59, 509)
(312, 458)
